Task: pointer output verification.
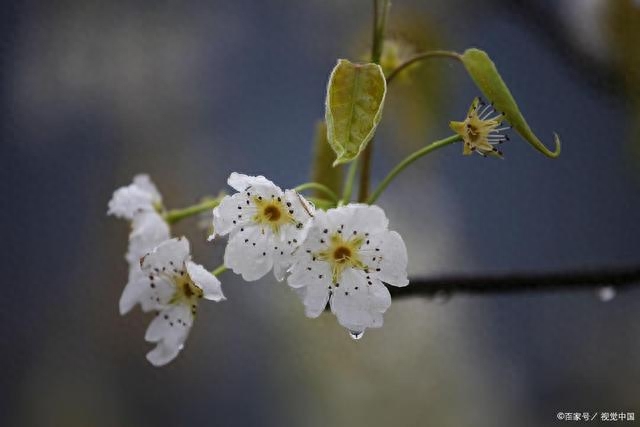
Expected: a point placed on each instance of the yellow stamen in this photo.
(342, 254)
(475, 131)
(272, 212)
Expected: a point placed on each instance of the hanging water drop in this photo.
(606, 293)
(356, 335)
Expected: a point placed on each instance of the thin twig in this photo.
(380, 25)
(511, 283)
(422, 57)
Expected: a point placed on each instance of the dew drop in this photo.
(356, 335)
(606, 293)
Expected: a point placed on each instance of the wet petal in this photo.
(249, 253)
(129, 200)
(171, 325)
(162, 354)
(143, 182)
(359, 218)
(206, 281)
(148, 230)
(360, 303)
(386, 255)
(133, 291)
(233, 211)
(168, 257)
(241, 182)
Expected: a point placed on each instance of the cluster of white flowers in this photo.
(162, 277)
(341, 257)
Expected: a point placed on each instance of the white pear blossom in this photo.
(138, 202)
(347, 256)
(174, 285)
(264, 224)
(148, 230)
(140, 196)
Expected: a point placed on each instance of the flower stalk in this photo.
(348, 186)
(319, 187)
(219, 270)
(408, 161)
(379, 28)
(421, 57)
(176, 215)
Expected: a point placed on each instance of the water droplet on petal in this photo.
(356, 335)
(606, 293)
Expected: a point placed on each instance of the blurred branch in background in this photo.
(603, 74)
(609, 280)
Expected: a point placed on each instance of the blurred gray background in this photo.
(94, 92)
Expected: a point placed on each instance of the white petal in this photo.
(149, 289)
(129, 200)
(393, 264)
(233, 211)
(357, 304)
(359, 218)
(206, 281)
(316, 233)
(252, 186)
(302, 212)
(171, 325)
(143, 182)
(139, 196)
(315, 278)
(162, 354)
(134, 289)
(315, 300)
(159, 297)
(283, 259)
(241, 182)
(168, 257)
(148, 230)
(308, 271)
(280, 267)
(249, 253)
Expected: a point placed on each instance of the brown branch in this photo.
(511, 283)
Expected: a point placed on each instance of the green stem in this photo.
(379, 28)
(320, 187)
(408, 160)
(322, 203)
(365, 172)
(348, 186)
(421, 57)
(374, 35)
(176, 215)
(218, 271)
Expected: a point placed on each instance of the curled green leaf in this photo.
(485, 75)
(355, 96)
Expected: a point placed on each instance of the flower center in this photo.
(472, 133)
(342, 254)
(480, 129)
(185, 289)
(272, 213)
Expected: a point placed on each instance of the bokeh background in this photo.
(94, 92)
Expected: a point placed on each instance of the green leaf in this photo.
(355, 96)
(485, 75)
(323, 172)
